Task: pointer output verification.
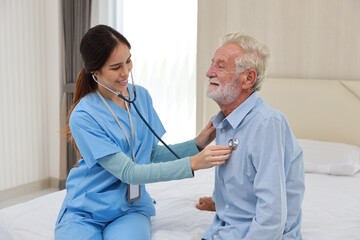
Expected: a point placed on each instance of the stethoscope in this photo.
(137, 110)
(233, 143)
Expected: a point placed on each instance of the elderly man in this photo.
(259, 190)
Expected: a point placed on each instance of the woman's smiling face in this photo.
(115, 72)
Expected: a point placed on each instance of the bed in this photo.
(331, 206)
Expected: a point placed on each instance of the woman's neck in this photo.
(114, 98)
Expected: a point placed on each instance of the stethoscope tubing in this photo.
(152, 130)
(138, 112)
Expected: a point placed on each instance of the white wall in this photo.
(30, 92)
(54, 76)
(309, 39)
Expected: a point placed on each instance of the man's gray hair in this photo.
(257, 56)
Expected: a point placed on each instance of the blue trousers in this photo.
(134, 226)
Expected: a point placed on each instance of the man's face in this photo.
(224, 85)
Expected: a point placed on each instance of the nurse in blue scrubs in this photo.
(106, 197)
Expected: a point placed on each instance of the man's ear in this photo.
(251, 76)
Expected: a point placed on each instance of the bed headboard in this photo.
(327, 110)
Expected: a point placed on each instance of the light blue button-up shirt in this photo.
(259, 190)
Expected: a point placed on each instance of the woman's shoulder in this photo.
(87, 102)
(86, 106)
(142, 90)
(143, 93)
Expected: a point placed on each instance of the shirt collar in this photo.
(236, 116)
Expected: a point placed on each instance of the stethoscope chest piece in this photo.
(233, 143)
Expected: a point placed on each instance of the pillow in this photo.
(330, 157)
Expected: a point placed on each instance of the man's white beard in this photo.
(223, 94)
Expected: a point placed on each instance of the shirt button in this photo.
(223, 130)
(215, 236)
(227, 206)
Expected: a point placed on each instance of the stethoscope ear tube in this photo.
(134, 91)
(137, 110)
(119, 95)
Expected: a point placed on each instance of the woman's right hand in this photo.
(212, 155)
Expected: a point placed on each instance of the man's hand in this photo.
(206, 204)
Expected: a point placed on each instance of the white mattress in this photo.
(331, 210)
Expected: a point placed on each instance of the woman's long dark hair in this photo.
(96, 47)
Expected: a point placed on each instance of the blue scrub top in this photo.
(92, 189)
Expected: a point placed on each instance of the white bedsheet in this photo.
(331, 210)
(331, 207)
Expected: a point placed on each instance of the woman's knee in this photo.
(134, 226)
(72, 226)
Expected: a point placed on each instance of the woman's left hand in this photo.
(206, 136)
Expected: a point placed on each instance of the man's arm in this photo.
(269, 183)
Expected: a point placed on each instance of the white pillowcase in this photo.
(330, 157)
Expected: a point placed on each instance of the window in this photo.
(162, 35)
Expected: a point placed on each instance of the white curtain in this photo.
(163, 38)
(29, 94)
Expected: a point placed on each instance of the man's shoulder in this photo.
(265, 111)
